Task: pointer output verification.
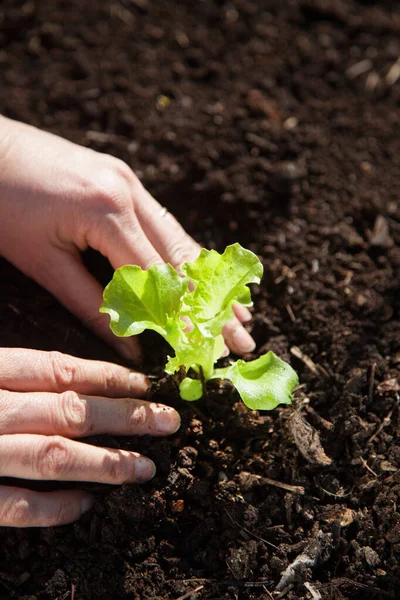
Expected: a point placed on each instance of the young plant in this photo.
(161, 300)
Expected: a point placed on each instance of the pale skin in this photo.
(56, 200)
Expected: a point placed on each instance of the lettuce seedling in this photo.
(161, 300)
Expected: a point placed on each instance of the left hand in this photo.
(58, 198)
(47, 400)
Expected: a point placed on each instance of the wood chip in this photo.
(307, 440)
(316, 553)
(389, 385)
(393, 74)
(372, 81)
(345, 516)
(386, 466)
(359, 68)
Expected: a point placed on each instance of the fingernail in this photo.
(243, 313)
(167, 420)
(144, 470)
(225, 352)
(243, 340)
(86, 504)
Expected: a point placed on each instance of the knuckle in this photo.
(76, 416)
(16, 512)
(6, 410)
(111, 381)
(123, 170)
(9, 138)
(112, 188)
(116, 468)
(139, 418)
(179, 253)
(64, 369)
(52, 458)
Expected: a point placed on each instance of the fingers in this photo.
(24, 370)
(237, 338)
(67, 278)
(58, 459)
(169, 238)
(123, 242)
(26, 508)
(176, 247)
(74, 415)
(242, 313)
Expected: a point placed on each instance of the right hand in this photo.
(58, 198)
(46, 400)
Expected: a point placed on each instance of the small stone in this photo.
(284, 175)
(290, 123)
(380, 236)
(371, 557)
(178, 506)
(393, 535)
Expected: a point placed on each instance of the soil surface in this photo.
(276, 124)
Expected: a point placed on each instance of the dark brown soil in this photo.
(249, 121)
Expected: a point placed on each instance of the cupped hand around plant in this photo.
(58, 198)
(47, 401)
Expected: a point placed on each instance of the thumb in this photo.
(66, 277)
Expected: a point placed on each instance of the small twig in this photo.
(250, 532)
(202, 379)
(290, 313)
(364, 462)
(295, 489)
(228, 582)
(336, 495)
(349, 582)
(371, 383)
(188, 594)
(386, 421)
(314, 368)
(14, 309)
(73, 588)
(285, 591)
(314, 593)
(326, 424)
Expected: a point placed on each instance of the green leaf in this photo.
(220, 281)
(262, 383)
(137, 300)
(190, 389)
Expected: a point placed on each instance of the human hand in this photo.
(58, 198)
(46, 400)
